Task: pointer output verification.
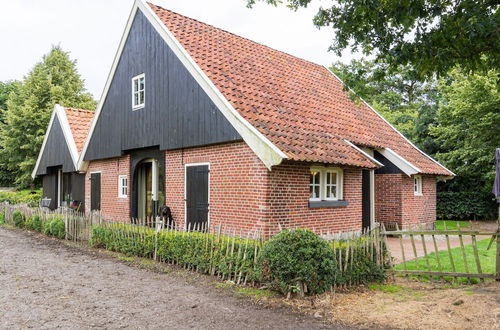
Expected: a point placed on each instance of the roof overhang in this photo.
(68, 137)
(267, 152)
(405, 166)
(364, 153)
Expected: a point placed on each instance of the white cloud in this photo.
(91, 30)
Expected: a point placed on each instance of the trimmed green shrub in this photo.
(37, 223)
(200, 251)
(28, 224)
(18, 219)
(296, 260)
(55, 227)
(2, 217)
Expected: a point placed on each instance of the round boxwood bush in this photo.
(18, 219)
(296, 260)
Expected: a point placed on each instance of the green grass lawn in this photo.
(486, 258)
(451, 224)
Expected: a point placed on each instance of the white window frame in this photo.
(315, 169)
(139, 105)
(417, 185)
(121, 186)
(339, 182)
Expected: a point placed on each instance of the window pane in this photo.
(316, 191)
(141, 99)
(141, 85)
(333, 177)
(136, 98)
(136, 85)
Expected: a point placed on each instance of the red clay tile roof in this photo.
(79, 122)
(299, 106)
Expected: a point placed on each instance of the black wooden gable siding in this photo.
(56, 151)
(177, 113)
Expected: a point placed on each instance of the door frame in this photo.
(155, 183)
(185, 191)
(59, 183)
(90, 190)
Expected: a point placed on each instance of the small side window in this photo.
(122, 186)
(138, 91)
(417, 185)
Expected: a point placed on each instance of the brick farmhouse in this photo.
(224, 130)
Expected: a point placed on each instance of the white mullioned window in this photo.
(138, 91)
(122, 186)
(315, 185)
(417, 185)
(326, 183)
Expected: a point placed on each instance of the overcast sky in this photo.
(91, 30)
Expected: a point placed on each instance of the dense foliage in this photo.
(54, 226)
(28, 197)
(6, 88)
(53, 80)
(298, 260)
(432, 36)
(18, 219)
(398, 95)
(465, 205)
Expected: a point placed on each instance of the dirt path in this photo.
(45, 283)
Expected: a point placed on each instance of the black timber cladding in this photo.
(56, 151)
(177, 112)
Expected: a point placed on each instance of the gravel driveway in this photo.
(45, 283)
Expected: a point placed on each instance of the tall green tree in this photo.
(53, 80)
(430, 35)
(468, 125)
(6, 88)
(399, 96)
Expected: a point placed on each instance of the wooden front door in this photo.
(95, 191)
(197, 195)
(366, 199)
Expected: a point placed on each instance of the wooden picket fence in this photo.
(440, 244)
(227, 252)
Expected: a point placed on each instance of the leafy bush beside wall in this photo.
(465, 205)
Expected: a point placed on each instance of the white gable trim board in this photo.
(68, 136)
(267, 152)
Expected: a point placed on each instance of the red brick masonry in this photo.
(245, 196)
(395, 201)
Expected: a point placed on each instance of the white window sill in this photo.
(138, 107)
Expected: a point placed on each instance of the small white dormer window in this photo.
(417, 185)
(138, 91)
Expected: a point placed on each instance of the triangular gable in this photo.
(58, 147)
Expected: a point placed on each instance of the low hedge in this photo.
(298, 256)
(207, 253)
(2, 217)
(18, 219)
(466, 205)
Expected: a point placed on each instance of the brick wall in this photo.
(395, 200)
(289, 197)
(112, 206)
(237, 184)
(388, 208)
(419, 209)
(245, 196)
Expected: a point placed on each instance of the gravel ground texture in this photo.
(46, 283)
